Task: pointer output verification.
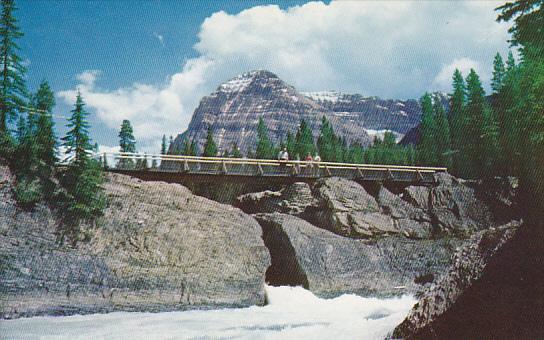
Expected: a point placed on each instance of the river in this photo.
(292, 313)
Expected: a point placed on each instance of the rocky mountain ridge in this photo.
(234, 109)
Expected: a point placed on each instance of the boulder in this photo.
(329, 264)
(429, 318)
(346, 208)
(418, 196)
(409, 220)
(293, 199)
(455, 207)
(157, 247)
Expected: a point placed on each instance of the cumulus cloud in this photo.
(444, 78)
(389, 49)
(153, 111)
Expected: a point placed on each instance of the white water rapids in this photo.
(292, 313)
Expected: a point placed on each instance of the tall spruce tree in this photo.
(264, 148)
(326, 141)
(164, 147)
(83, 196)
(13, 92)
(479, 131)
(499, 72)
(442, 133)
(304, 141)
(456, 120)
(42, 104)
(210, 148)
(527, 109)
(127, 144)
(427, 146)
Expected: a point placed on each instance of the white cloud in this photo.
(160, 37)
(389, 49)
(445, 77)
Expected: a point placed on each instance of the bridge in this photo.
(157, 167)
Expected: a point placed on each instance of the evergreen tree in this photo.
(291, 144)
(510, 62)
(127, 142)
(13, 93)
(326, 141)
(479, 131)
(498, 73)
(83, 196)
(427, 146)
(42, 104)
(304, 141)
(264, 148)
(235, 152)
(456, 120)
(164, 148)
(210, 148)
(443, 139)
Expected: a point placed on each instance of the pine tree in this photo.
(210, 148)
(456, 120)
(42, 104)
(510, 62)
(83, 196)
(164, 148)
(264, 148)
(443, 138)
(479, 131)
(127, 144)
(235, 151)
(13, 92)
(304, 141)
(291, 144)
(326, 141)
(427, 146)
(499, 71)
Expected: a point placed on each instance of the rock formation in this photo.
(468, 266)
(329, 264)
(157, 247)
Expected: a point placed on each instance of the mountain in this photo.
(234, 108)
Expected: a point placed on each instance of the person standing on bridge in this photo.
(317, 159)
(283, 157)
(309, 163)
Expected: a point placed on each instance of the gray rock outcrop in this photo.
(157, 247)
(329, 264)
(468, 266)
(347, 208)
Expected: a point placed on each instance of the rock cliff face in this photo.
(426, 320)
(233, 111)
(157, 247)
(340, 236)
(346, 208)
(329, 264)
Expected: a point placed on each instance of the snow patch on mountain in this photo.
(380, 134)
(324, 96)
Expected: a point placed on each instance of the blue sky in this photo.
(151, 61)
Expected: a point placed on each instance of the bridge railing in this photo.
(264, 167)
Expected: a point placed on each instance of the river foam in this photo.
(292, 313)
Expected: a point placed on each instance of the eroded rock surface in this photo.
(329, 264)
(157, 247)
(468, 266)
